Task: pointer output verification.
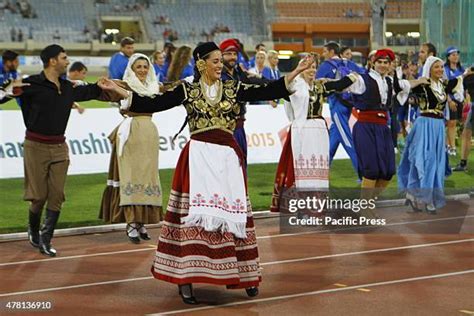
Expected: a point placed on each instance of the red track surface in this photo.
(303, 273)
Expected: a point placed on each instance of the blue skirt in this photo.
(375, 152)
(423, 165)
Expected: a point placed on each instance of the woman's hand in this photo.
(452, 105)
(419, 81)
(469, 71)
(14, 88)
(302, 66)
(305, 63)
(109, 85)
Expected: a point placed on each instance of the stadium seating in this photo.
(66, 16)
(321, 10)
(69, 17)
(405, 9)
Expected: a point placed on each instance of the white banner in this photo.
(89, 147)
(94, 61)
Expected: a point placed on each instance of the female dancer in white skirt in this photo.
(304, 160)
(208, 235)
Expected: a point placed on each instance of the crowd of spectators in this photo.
(22, 7)
(18, 34)
(161, 20)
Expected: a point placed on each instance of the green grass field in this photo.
(12, 105)
(84, 192)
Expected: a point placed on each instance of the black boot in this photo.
(33, 228)
(47, 232)
(186, 293)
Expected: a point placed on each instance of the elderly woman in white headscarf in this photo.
(422, 167)
(133, 193)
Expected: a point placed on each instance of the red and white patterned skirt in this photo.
(304, 160)
(193, 255)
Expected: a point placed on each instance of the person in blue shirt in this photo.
(258, 48)
(159, 65)
(339, 132)
(118, 62)
(8, 69)
(453, 69)
(242, 57)
(272, 72)
(181, 66)
(168, 50)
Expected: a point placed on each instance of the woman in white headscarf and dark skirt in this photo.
(208, 235)
(423, 165)
(133, 194)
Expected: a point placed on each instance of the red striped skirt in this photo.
(285, 174)
(192, 255)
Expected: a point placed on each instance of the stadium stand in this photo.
(322, 11)
(66, 16)
(405, 9)
(190, 20)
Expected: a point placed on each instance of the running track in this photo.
(406, 272)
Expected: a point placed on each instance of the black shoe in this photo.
(134, 240)
(33, 228)
(143, 236)
(252, 291)
(413, 206)
(459, 167)
(47, 232)
(191, 300)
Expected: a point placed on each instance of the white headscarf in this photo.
(150, 87)
(428, 64)
(436, 85)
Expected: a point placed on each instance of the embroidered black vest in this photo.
(203, 117)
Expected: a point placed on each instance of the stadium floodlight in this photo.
(414, 34)
(388, 34)
(285, 52)
(111, 31)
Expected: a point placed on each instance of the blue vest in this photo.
(370, 99)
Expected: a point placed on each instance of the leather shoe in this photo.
(191, 300)
(134, 240)
(252, 291)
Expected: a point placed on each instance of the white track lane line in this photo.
(258, 237)
(283, 297)
(262, 264)
(442, 243)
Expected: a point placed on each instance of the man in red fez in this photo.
(231, 71)
(230, 49)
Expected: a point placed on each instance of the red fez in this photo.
(229, 45)
(384, 54)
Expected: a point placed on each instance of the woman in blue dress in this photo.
(422, 168)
